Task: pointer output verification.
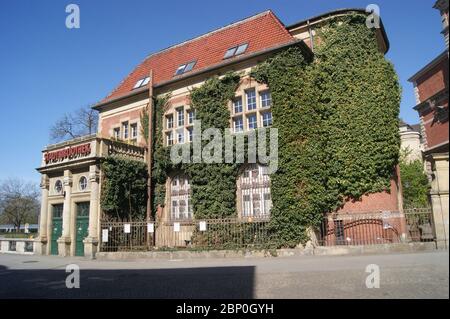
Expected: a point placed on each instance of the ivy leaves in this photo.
(124, 188)
(338, 124)
(213, 185)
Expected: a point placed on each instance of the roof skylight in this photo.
(237, 50)
(185, 68)
(142, 82)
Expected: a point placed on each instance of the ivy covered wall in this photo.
(338, 123)
(124, 189)
(337, 118)
(213, 185)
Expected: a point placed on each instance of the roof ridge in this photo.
(233, 24)
(279, 22)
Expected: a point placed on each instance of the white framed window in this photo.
(58, 187)
(169, 121)
(180, 136)
(169, 138)
(116, 133)
(252, 122)
(82, 183)
(190, 134)
(266, 119)
(238, 124)
(134, 130)
(266, 99)
(191, 116)
(237, 105)
(125, 130)
(180, 116)
(254, 187)
(180, 198)
(251, 99)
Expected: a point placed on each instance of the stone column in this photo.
(91, 242)
(439, 198)
(65, 240)
(42, 240)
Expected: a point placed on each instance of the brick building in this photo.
(71, 174)
(431, 90)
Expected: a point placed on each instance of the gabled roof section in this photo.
(261, 32)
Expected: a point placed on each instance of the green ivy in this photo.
(161, 165)
(338, 125)
(124, 188)
(415, 184)
(213, 185)
(298, 192)
(360, 91)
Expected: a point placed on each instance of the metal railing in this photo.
(371, 228)
(420, 224)
(124, 236)
(226, 233)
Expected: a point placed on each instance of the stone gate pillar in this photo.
(91, 242)
(439, 198)
(65, 240)
(42, 240)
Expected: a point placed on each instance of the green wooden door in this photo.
(57, 211)
(82, 227)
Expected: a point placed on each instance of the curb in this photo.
(316, 251)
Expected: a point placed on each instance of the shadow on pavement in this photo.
(211, 282)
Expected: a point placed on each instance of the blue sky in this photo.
(47, 69)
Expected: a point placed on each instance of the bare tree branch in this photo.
(81, 122)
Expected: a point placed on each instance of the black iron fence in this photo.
(124, 236)
(372, 228)
(226, 233)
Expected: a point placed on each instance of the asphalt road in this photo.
(418, 275)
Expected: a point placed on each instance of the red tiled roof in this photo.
(261, 31)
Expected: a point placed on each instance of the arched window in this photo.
(83, 183)
(254, 189)
(180, 198)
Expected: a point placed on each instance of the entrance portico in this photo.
(70, 189)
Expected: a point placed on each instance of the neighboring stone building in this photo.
(71, 174)
(411, 141)
(431, 89)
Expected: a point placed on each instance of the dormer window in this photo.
(237, 50)
(142, 82)
(185, 68)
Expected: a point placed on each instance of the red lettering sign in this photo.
(68, 153)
